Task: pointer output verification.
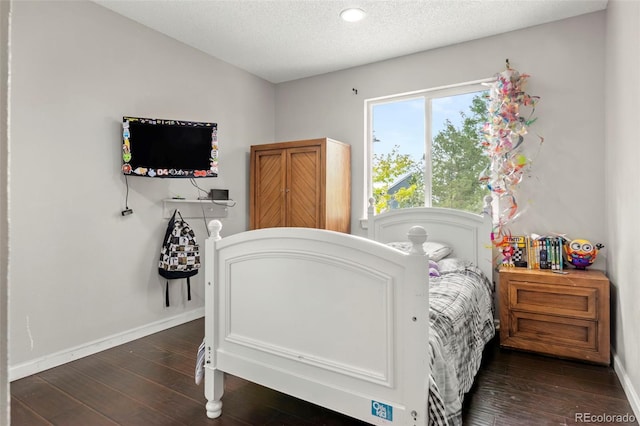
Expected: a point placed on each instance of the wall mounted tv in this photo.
(169, 148)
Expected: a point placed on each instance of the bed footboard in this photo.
(334, 319)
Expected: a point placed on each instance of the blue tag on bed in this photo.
(382, 410)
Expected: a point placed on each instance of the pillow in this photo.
(436, 251)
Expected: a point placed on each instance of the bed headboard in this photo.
(467, 233)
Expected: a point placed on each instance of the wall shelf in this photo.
(189, 208)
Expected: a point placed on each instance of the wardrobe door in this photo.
(268, 184)
(304, 201)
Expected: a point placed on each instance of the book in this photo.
(530, 253)
(544, 254)
(519, 256)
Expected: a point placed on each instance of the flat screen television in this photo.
(169, 148)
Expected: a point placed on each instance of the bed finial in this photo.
(418, 236)
(215, 226)
(487, 208)
(372, 207)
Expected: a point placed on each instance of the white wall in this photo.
(622, 179)
(565, 61)
(80, 272)
(5, 8)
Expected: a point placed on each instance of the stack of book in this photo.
(536, 252)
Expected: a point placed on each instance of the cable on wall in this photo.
(127, 211)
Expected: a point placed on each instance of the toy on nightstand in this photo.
(507, 255)
(581, 253)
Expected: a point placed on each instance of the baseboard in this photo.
(44, 363)
(629, 390)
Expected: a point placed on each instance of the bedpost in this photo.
(215, 226)
(416, 320)
(213, 378)
(487, 208)
(371, 212)
(485, 257)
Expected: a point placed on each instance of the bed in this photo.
(341, 320)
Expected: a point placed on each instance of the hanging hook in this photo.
(507, 61)
(355, 91)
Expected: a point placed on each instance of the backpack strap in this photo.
(166, 292)
(172, 221)
(188, 288)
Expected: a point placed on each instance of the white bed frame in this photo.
(334, 319)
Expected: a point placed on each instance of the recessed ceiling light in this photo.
(353, 14)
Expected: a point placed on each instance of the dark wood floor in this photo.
(150, 382)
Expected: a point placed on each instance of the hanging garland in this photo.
(504, 135)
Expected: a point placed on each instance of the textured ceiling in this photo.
(286, 40)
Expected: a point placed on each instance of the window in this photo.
(425, 148)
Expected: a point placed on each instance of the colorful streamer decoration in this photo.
(503, 142)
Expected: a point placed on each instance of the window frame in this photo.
(427, 95)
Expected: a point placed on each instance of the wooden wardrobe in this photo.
(304, 183)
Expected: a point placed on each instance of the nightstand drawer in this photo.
(576, 302)
(552, 330)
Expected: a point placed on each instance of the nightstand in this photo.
(564, 315)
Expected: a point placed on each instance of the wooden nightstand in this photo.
(556, 314)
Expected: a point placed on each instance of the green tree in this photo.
(387, 169)
(458, 159)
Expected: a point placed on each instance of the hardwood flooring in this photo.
(150, 381)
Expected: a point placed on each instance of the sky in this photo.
(402, 123)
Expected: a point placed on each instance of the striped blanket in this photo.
(461, 319)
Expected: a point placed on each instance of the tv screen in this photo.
(169, 148)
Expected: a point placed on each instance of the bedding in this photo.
(461, 323)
